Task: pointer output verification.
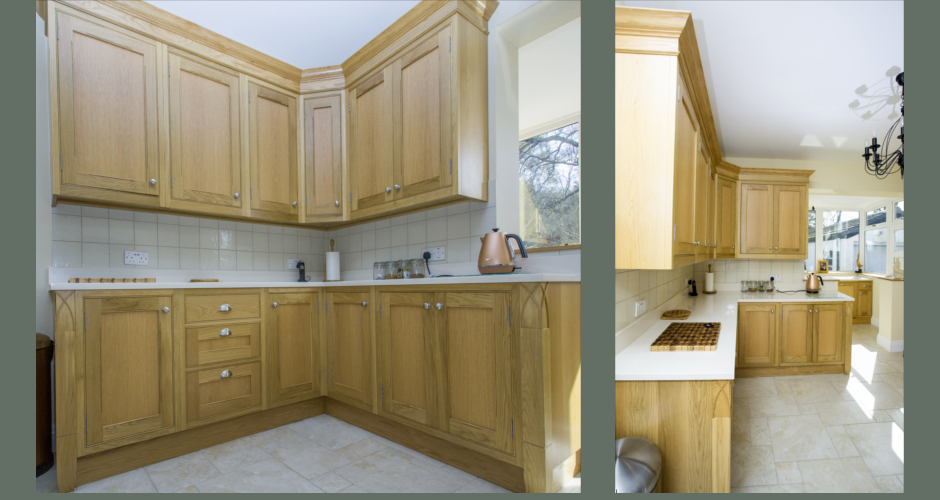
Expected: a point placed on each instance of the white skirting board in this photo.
(874, 321)
(891, 345)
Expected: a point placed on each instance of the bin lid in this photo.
(638, 464)
(42, 341)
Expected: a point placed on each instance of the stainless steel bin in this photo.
(638, 464)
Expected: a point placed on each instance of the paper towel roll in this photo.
(709, 282)
(332, 266)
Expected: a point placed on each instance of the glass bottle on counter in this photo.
(744, 286)
(752, 286)
(390, 272)
(406, 269)
(417, 268)
(378, 271)
(398, 269)
(760, 285)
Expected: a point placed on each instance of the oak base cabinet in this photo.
(293, 347)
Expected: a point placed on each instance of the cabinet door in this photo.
(684, 177)
(712, 205)
(701, 200)
(757, 333)
(128, 367)
(205, 141)
(727, 215)
(107, 108)
(370, 126)
(293, 347)
(478, 356)
(410, 356)
(423, 109)
(757, 218)
(272, 146)
(863, 301)
(349, 370)
(796, 333)
(790, 224)
(829, 330)
(323, 156)
(850, 289)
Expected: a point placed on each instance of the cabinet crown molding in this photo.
(663, 27)
(775, 175)
(322, 78)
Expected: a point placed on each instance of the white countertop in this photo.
(492, 278)
(844, 277)
(637, 362)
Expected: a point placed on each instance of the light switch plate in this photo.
(640, 307)
(437, 253)
(292, 263)
(133, 258)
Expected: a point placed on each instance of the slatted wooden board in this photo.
(688, 337)
(112, 280)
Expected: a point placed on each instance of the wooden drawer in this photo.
(222, 343)
(865, 286)
(211, 307)
(208, 393)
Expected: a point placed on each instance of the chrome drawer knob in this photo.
(388, 190)
(226, 374)
(294, 204)
(274, 304)
(225, 332)
(397, 187)
(237, 195)
(364, 303)
(225, 308)
(166, 310)
(439, 306)
(427, 306)
(336, 203)
(153, 182)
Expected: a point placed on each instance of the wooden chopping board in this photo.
(688, 337)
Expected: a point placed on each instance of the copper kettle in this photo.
(813, 283)
(496, 253)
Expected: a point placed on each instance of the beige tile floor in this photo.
(823, 433)
(318, 455)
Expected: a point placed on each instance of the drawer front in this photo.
(865, 286)
(209, 393)
(213, 307)
(218, 344)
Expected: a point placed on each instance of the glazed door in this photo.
(370, 127)
(796, 333)
(108, 111)
(757, 329)
(829, 332)
(205, 140)
(410, 356)
(790, 236)
(423, 117)
(349, 345)
(727, 215)
(323, 156)
(757, 219)
(687, 138)
(128, 367)
(293, 347)
(272, 136)
(478, 356)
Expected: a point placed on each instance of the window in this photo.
(899, 240)
(810, 263)
(876, 216)
(876, 251)
(840, 239)
(550, 188)
(899, 210)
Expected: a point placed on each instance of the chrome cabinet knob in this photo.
(439, 306)
(274, 304)
(388, 190)
(294, 204)
(364, 303)
(816, 311)
(225, 308)
(427, 306)
(226, 374)
(336, 203)
(153, 182)
(237, 196)
(732, 247)
(775, 248)
(771, 311)
(225, 332)
(811, 311)
(166, 310)
(397, 187)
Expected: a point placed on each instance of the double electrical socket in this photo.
(132, 258)
(776, 278)
(640, 308)
(437, 253)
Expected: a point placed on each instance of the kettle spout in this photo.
(481, 239)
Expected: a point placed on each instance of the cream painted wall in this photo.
(550, 77)
(44, 305)
(834, 178)
(890, 311)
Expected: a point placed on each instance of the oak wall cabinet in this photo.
(323, 157)
(272, 146)
(485, 377)
(774, 212)
(726, 211)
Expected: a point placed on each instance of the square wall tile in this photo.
(189, 221)
(244, 240)
(208, 238)
(95, 212)
(208, 259)
(227, 260)
(276, 262)
(116, 254)
(259, 261)
(458, 250)
(276, 242)
(121, 231)
(243, 261)
(482, 221)
(458, 208)
(66, 228)
(145, 217)
(437, 229)
(95, 230)
(66, 209)
(259, 242)
(145, 233)
(290, 243)
(95, 256)
(169, 257)
(66, 254)
(189, 237)
(120, 214)
(417, 232)
(168, 235)
(458, 225)
(436, 213)
(189, 258)
(383, 238)
(168, 219)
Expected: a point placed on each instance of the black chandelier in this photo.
(884, 165)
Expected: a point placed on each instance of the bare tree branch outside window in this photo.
(550, 188)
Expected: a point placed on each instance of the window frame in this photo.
(891, 224)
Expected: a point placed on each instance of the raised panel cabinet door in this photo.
(851, 289)
(205, 139)
(727, 215)
(272, 147)
(223, 389)
(796, 333)
(864, 303)
(108, 111)
(701, 200)
(712, 204)
(128, 367)
(349, 341)
(323, 156)
(790, 224)
(687, 137)
(757, 334)
(757, 218)
(409, 356)
(370, 142)
(423, 108)
(478, 360)
(293, 347)
(829, 328)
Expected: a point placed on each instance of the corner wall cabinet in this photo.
(149, 111)
(773, 213)
(483, 377)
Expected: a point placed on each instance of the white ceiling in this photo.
(306, 34)
(846, 202)
(781, 74)
(550, 76)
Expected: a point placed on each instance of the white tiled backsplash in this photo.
(736, 270)
(656, 287)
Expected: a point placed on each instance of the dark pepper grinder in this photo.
(692, 292)
(300, 268)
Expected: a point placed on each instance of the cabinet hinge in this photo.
(380, 310)
(327, 375)
(448, 44)
(349, 106)
(86, 321)
(383, 391)
(318, 308)
(350, 197)
(679, 91)
(512, 432)
(86, 423)
(171, 180)
(673, 232)
(167, 69)
(249, 97)
(318, 376)
(509, 314)
(306, 202)
(451, 165)
(251, 194)
(56, 31)
(60, 163)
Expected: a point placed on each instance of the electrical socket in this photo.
(640, 307)
(437, 253)
(776, 278)
(132, 258)
(292, 263)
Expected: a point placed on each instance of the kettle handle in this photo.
(519, 242)
(821, 282)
